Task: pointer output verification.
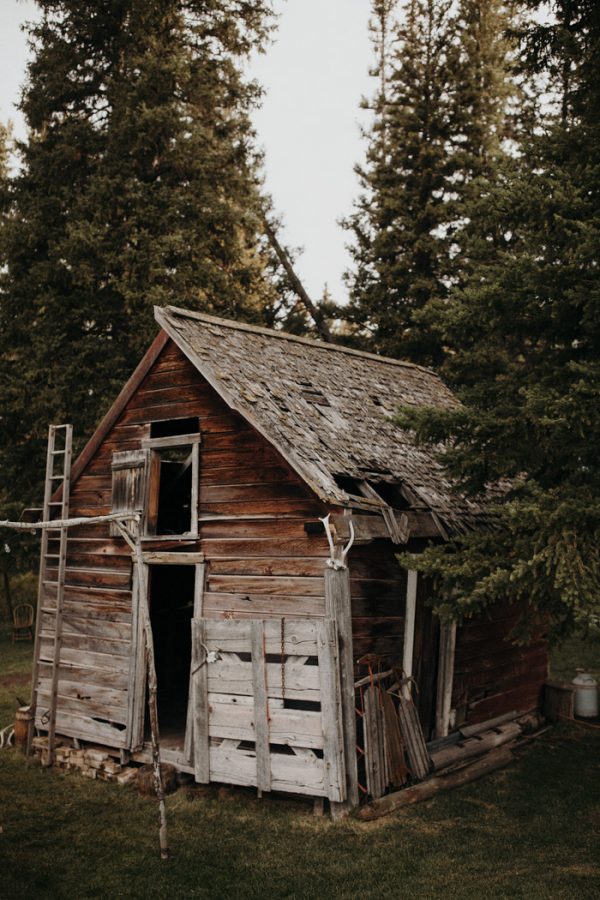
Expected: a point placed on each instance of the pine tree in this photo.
(396, 248)
(139, 186)
(439, 125)
(525, 336)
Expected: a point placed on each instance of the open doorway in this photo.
(171, 610)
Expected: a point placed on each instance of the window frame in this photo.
(155, 445)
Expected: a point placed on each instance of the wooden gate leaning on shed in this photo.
(267, 705)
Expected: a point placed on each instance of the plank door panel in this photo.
(267, 705)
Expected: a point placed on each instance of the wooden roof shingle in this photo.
(326, 408)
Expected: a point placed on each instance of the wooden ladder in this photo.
(58, 479)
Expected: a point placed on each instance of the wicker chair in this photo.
(23, 622)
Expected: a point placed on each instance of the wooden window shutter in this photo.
(129, 483)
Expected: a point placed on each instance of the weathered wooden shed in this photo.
(274, 494)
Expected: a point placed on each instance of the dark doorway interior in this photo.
(171, 610)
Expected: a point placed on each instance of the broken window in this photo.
(173, 480)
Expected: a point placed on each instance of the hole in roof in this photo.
(391, 493)
(313, 395)
(348, 484)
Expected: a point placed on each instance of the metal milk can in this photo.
(586, 695)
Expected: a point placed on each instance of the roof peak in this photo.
(284, 335)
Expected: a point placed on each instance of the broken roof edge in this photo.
(285, 335)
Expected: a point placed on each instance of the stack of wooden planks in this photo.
(91, 762)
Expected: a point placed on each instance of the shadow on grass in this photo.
(529, 831)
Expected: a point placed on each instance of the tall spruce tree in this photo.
(396, 246)
(525, 336)
(439, 125)
(138, 186)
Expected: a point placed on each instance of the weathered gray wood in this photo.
(373, 739)
(331, 711)
(470, 730)
(338, 608)
(412, 734)
(300, 636)
(445, 678)
(261, 715)
(129, 484)
(200, 701)
(369, 528)
(290, 773)
(199, 583)
(397, 770)
(232, 676)
(176, 440)
(409, 631)
(136, 685)
(167, 558)
(497, 759)
(195, 489)
(231, 718)
(476, 746)
(60, 580)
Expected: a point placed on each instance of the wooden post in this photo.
(199, 580)
(445, 679)
(261, 713)
(338, 608)
(200, 703)
(331, 706)
(409, 631)
(134, 543)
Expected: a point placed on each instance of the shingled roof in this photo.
(326, 409)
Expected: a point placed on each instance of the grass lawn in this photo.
(532, 830)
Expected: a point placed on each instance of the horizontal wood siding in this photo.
(378, 592)
(492, 675)
(256, 567)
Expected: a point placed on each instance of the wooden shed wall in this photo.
(378, 595)
(256, 568)
(493, 676)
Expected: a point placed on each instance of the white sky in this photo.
(314, 75)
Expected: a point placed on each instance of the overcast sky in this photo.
(314, 75)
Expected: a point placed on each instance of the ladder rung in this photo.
(57, 452)
(52, 555)
(57, 477)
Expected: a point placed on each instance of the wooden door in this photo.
(267, 705)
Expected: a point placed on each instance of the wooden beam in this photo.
(331, 710)
(494, 760)
(261, 715)
(409, 631)
(338, 608)
(172, 558)
(418, 524)
(200, 702)
(445, 679)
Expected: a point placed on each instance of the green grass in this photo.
(529, 831)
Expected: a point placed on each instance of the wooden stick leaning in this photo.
(134, 543)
